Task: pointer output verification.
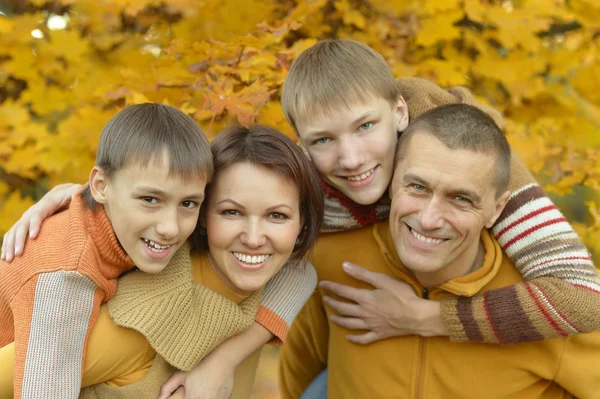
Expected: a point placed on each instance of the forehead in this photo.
(447, 169)
(254, 183)
(156, 173)
(338, 115)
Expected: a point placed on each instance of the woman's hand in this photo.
(390, 309)
(54, 200)
(210, 379)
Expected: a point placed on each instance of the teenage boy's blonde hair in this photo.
(335, 73)
(144, 133)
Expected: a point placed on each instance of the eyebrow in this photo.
(161, 193)
(359, 120)
(476, 198)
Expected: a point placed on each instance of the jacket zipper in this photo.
(418, 393)
(420, 371)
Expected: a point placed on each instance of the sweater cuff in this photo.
(451, 320)
(275, 324)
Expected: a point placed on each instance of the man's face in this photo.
(152, 213)
(353, 148)
(441, 200)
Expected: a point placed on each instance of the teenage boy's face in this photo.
(152, 213)
(353, 148)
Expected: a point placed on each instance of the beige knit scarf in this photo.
(182, 320)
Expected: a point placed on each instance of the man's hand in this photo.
(210, 379)
(390, 309)
(54, 200)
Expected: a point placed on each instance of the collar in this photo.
(467, 285)
(113, 260)
(204, 274)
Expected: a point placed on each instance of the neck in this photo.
(470, 262)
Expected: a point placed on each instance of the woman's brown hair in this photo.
(266, 147)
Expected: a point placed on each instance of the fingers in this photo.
(35, 223)
(349, 323)
(363, 339)
(345, 291)
(344, 308)
(377, 280)
(8, 245)
(172, 384)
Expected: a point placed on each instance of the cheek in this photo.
(324, 161)
(285, 238)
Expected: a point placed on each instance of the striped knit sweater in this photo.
(561, 292)
(50, 298)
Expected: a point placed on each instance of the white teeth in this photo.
(154, 247)
(362, 176)
(256, 259)
(424, 239)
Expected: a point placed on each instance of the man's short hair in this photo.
(143, 133)
(335, 73)
(461, 126)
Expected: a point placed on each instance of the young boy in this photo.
(50, 297)
(347, 109)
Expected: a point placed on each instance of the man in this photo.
(449, 187)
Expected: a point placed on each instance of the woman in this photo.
(261, 212)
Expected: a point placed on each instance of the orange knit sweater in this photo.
(50, 298)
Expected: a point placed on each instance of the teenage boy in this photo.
(347, 109)
(449, 188)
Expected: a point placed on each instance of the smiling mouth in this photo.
(362, 176)
(425, 239)
(155, 247)
(251, 259)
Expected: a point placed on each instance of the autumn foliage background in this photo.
(67, 66)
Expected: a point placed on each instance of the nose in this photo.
(431, 215)
(167, 226)
(351, 153)
(253, 235)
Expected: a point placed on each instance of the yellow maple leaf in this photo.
(438, 27)
(350, 16)
(516, 27)
(13, 115)
(12, 209)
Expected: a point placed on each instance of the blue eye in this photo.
(366, 126)
(462, 199)
(321, 141)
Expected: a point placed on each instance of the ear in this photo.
(98, 184)
(401, 110)
(500, 204)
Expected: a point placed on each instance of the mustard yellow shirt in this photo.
(421, 367)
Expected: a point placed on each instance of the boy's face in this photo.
(151, 213)
(353, 148)
(441, 200)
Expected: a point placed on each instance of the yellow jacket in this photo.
(418, 367)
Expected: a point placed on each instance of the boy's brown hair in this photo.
(465, 127)
(335, 73)
(143, 133)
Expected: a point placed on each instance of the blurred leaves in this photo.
(224, 61)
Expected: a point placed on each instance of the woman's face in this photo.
(252, 223)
